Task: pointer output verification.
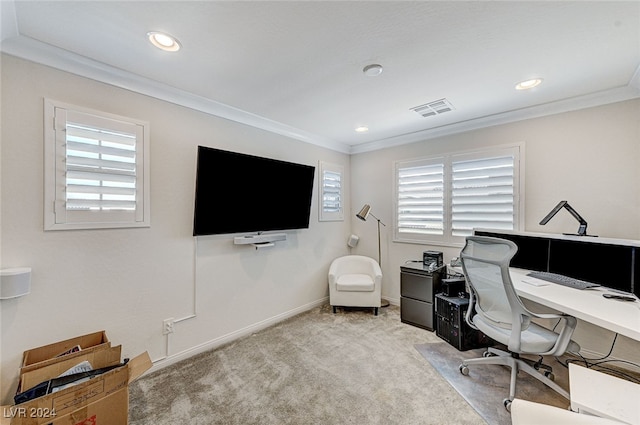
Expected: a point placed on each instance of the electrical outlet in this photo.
(167, 326)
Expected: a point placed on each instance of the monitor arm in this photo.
(582, 229)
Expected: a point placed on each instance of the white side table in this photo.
(603, 395)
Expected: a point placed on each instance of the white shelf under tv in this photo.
(261, 240)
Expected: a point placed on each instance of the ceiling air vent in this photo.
(436, 107)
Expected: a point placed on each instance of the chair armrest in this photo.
(549, 315)
(564, 335)
(374, 269)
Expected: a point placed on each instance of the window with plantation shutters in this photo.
(97, 169)
(482, 194)
(441, 200)
(420, 200)
(331, 192)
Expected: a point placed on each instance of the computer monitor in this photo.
(532, 254)
(608, 265)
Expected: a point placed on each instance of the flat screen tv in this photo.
(240, 193)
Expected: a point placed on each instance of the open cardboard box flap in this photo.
(51, 352)
(139, 365)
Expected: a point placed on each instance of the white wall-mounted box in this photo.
(15, 282)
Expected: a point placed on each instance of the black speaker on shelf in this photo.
(432, 259)
(453, 287)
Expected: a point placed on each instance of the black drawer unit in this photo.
(452, 326)
(418, 286)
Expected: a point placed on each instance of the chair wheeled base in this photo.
(516, 363)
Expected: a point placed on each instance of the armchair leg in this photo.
(334, 309)
(375, 311)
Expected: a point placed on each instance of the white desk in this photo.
(589, 305)
(599, 394)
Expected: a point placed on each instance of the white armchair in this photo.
(355, 281)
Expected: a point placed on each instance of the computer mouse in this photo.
(619, 297)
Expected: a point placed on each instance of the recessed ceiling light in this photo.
(529, 84)
(372, 70)
(362, 129)
(164, 41)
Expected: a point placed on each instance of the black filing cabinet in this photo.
(418, 287)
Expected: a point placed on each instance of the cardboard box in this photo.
(48, 354)
(103, 400)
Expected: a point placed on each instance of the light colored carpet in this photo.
(316, 368)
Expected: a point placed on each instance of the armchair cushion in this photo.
(355, 282)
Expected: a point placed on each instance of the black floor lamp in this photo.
(362, 215)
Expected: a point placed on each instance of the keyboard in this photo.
(563, 280)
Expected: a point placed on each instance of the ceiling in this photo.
(296, 67)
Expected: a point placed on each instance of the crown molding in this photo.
(618, 94)
(45, 54)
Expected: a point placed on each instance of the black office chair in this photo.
(497, 311)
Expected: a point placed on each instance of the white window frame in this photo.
(327, 188)
(57, 214)
(446, 238)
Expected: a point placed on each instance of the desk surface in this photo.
(596, 393)
(589, 305)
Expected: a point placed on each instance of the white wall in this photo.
(126, 281)
(589, 157)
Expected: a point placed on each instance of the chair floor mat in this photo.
(487, 386)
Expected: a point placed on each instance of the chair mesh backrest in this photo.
(485, 262)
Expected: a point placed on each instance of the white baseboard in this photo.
(392, 301)
(225, 339)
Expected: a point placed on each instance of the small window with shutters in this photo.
(331, 192)
(97, 169)
(420, 198)
(441, 200)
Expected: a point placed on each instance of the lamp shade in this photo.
(15, 282)
(364, 212)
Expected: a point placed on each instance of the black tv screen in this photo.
(238, 193)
